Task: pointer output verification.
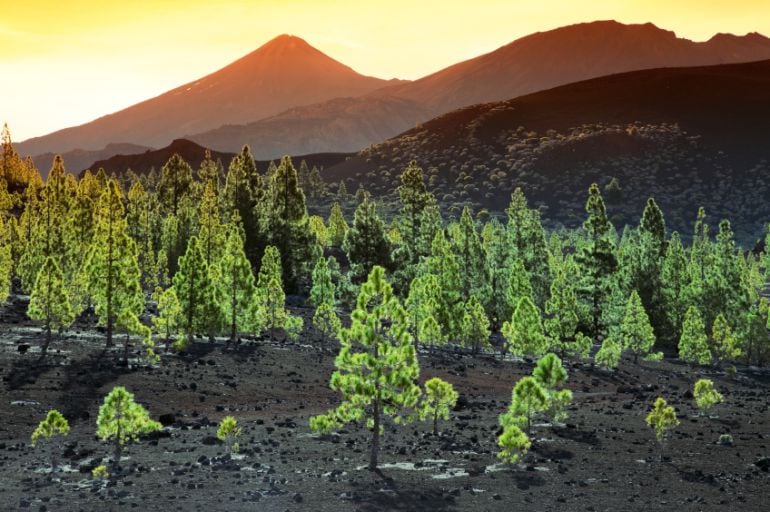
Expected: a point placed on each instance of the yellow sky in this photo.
(67, 62)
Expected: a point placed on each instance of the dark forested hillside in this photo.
(688, 136)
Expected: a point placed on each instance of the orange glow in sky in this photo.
(66, 63)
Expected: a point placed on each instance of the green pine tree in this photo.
(377, 365)
(193, 289)
(693, 344)
(112, 266)
(525, 331)
(121, 420)
(49, 302)
(596, 258)
(235, 291)
(636, 333)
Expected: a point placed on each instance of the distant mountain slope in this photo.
(343, 124)
(194, 154)
(568, 54)
(286, 72)
(80, 158)
(540, 61)
(688, 136)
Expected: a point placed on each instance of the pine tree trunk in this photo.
(109, 285)
(435, 423)
(375, 433)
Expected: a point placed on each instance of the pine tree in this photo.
(269, 305)
(525, 330)
(470, 254)
(513, 442)
(725, 344)
(705, 395)
(424, 295)
(244, 192)
(596, 259)
(439, 398)
(430, 332)
(338, 228)
(529, 399)
(527, 240)
(377, 365)
(112, 267)
(636, 332)
(366, 243)
(323, 289)
(121, 420)
(176, 182)
(326, 320)
(318, 228)
(443, 264)
(228, 432)
(211, 234)
(499, 269)
(475, 326)
(693, 344)
(608, 354)
(561, 310)
(6, 258)
(235, 291)
(169, 319)
(209, 171)
(552, 376)
(193, 289)
(287, 225)
(675, 280)
(54, 425)
(49, 302)
(661, 419)
(415, 198)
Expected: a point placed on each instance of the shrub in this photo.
(440, 397)
(608, 354)
(228, 432)
(121, 421)
(705, 395)
(662, 418)
(53, 425)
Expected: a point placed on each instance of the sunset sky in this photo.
(65, 63)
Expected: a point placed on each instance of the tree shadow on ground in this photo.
(579, 436)
(30, 366)
(197, 350)
(525, 480)
(552, 452)
(82, 381)
(383, 493)
(695, 476)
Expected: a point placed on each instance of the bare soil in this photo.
(604, 458)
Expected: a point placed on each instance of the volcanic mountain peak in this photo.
(285, 72)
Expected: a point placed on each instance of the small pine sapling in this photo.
(552, 375)
(440, 397)
(121, 420)
(662, 418)
(529, 398)
(100, 472)
(53, 425)
(326, 321)
(608, 355)
(514, 443)
(228, 432)
(580, 348)
(705, 395)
